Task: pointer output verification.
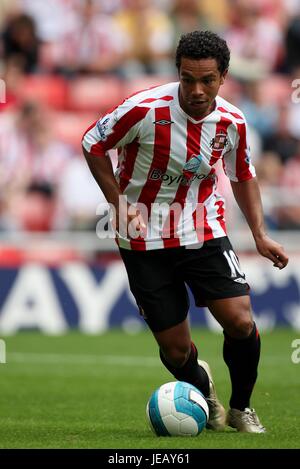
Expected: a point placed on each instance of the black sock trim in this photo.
(242, 341)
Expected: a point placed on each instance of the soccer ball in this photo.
(177, 409)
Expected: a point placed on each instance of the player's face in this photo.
(200, 81)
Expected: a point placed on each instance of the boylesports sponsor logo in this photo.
(169, 179)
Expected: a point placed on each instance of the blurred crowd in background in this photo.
(64, 62)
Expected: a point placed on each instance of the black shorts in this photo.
(158, 279)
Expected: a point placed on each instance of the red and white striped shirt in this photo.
(167, 158)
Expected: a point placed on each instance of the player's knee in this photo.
(241, 328)
(176, 355)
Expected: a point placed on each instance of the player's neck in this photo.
(201, 116)
(198, 116)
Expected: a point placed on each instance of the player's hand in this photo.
(129, 221)
(273, 251)
(136, 225)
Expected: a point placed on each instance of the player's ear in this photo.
(223, 76)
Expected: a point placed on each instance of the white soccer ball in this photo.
(177, 409)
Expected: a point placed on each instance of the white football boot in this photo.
(245, 421)
(217, 414)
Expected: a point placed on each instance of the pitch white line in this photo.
(57, 358)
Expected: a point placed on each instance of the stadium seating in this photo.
(94, 93)
(145, 81)
(46, 89)
(276, 90)
(69, 126)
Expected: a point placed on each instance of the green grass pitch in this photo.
(80, 391)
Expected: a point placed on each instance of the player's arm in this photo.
(102, 170)
(113, 130)
(241, 172)
(247, 195)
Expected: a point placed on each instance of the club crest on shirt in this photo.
(219, 142)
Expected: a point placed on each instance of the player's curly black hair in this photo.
(203, 45)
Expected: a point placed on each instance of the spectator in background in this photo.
(280, 140)
(29, 154)
(269, 171)
(35, 209)
(255, 39)
(52, 17)
(292, 44)
(12, 76)
(292, 7)
(261, 115)
(92, 43)
(214, 15)
(19, 40)
(289, 211)
(187, 16)
(113, 6)
(8, 8)
(149, 38)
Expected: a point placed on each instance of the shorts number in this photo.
(233, 263)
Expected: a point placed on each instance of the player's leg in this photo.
(215, 277)
(180, 356)
(241, 352)
(241, 348)
(163, 303)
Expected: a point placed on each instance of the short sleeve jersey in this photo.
(166, 163)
